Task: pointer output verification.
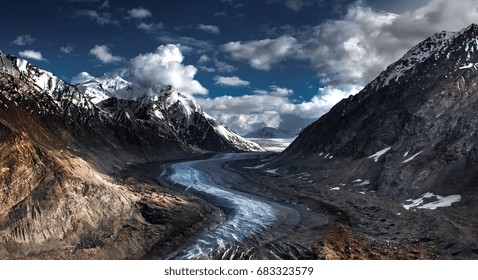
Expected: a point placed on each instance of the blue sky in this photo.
(279, 63)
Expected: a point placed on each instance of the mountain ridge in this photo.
(413, 112)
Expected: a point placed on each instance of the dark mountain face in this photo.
(411, 130)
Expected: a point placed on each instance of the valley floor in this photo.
(363, 225)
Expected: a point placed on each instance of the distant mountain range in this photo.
(271, 132)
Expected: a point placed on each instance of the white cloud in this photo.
(101, 19)
(102, 53)
(164, 67)
(230, 81)
(23, 40)
(222, 66)
(262, 54)
(209, 28)
(67, 49)
(150, 26)
(207, 69)
(272, 108)
(297, 5)
(200, 46)
(139, 13)
(354, 49)
(32, 55)
(203, 59)
(275, 90)
(105, 4)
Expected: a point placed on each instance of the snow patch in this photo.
(466, 66)
(364, 183)
(272, 171)
(439, 202)
(380, 153)
(412, 157)
(335, 189)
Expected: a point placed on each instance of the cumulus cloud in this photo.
(32, 55)
(100, 18)
(23, 40)
(209, 28)
(354, 49)
(139, 13)
(230, 81)
(272, 108)
(164, 67)
(262, 54)
(102, 53)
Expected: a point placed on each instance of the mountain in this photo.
(123, 99)
(412, 131)
(61, 192)
(270, 132)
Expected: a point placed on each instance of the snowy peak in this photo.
(456, 50)
(40, 82)
(182, 113)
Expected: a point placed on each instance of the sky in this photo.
(249, 64)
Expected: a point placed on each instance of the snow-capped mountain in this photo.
(48, 109)
(121, 98)
(59, 190)
(411, 130)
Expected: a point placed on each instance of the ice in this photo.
(406, 154)
(412, 157)
(335, 189)
(378, 154)
(467, 66)
(275, 145)
(272, 171)
(362, 192)
(247, 215)
(440, 201)
(255, 167)
(358, 180)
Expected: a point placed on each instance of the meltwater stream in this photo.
(246, 215)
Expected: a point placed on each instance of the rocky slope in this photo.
(125, 100)
(410, 136)
(59, 152)
(411, 130)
